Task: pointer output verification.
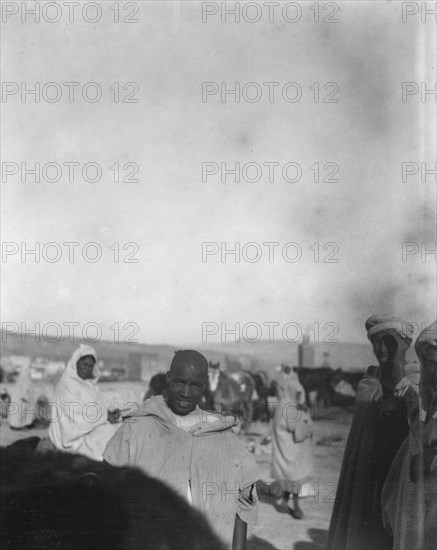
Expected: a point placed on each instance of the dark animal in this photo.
(230, 393)
(317, 380)
(352, 378)
(59, 501)
(265, 388)
(157, 385)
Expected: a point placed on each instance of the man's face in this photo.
(186, 385)
(384, 346)
(85, 367)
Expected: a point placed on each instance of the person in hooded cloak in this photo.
(79, 422)
(380, 424)
(292, 443)
(409, 500)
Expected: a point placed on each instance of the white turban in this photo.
(382, 322)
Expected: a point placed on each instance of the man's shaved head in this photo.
(189, 357)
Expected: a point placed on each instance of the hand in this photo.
(410, 380)
(421, 464)
(113, 416)
(398, 358)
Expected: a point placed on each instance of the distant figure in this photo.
(5, 398)
(80, 422)
(409, 496)
(157, 385)
(42, 419)
(379, 426)
(195, 452)
(292, 444)
(288, 385)
(22, 407)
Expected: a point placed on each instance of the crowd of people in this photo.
(387, 490)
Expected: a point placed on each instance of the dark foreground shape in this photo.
(68, 502)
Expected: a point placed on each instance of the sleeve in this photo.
(117, 452)
(302, 428)
(247, 501)
(369, 388)
(248, 504)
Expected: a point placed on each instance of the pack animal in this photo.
(58, 501)
(317, 380)
(230, 393)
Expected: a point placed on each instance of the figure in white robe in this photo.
(21, 411)
(79, 420)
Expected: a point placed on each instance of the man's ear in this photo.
(168, 376)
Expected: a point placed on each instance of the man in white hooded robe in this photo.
(79, 422)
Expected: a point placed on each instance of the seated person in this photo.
(80, 422)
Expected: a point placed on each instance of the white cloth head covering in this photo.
(71, 368)
(79, 423)
(382, 322)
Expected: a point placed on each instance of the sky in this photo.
(164, 288)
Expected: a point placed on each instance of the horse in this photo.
(230, 393)
(265, 388)
(345, 386)
(319, 380)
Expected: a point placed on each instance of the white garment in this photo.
(79, 415)
(22, 406)
(188, 422)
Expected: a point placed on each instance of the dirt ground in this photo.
(277, 530)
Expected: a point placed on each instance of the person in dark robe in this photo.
(384, 400)
(409, 500)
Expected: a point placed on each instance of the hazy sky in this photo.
(170, 132)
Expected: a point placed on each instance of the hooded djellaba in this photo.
(386, 396)
(409, 496)
(79, 422)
